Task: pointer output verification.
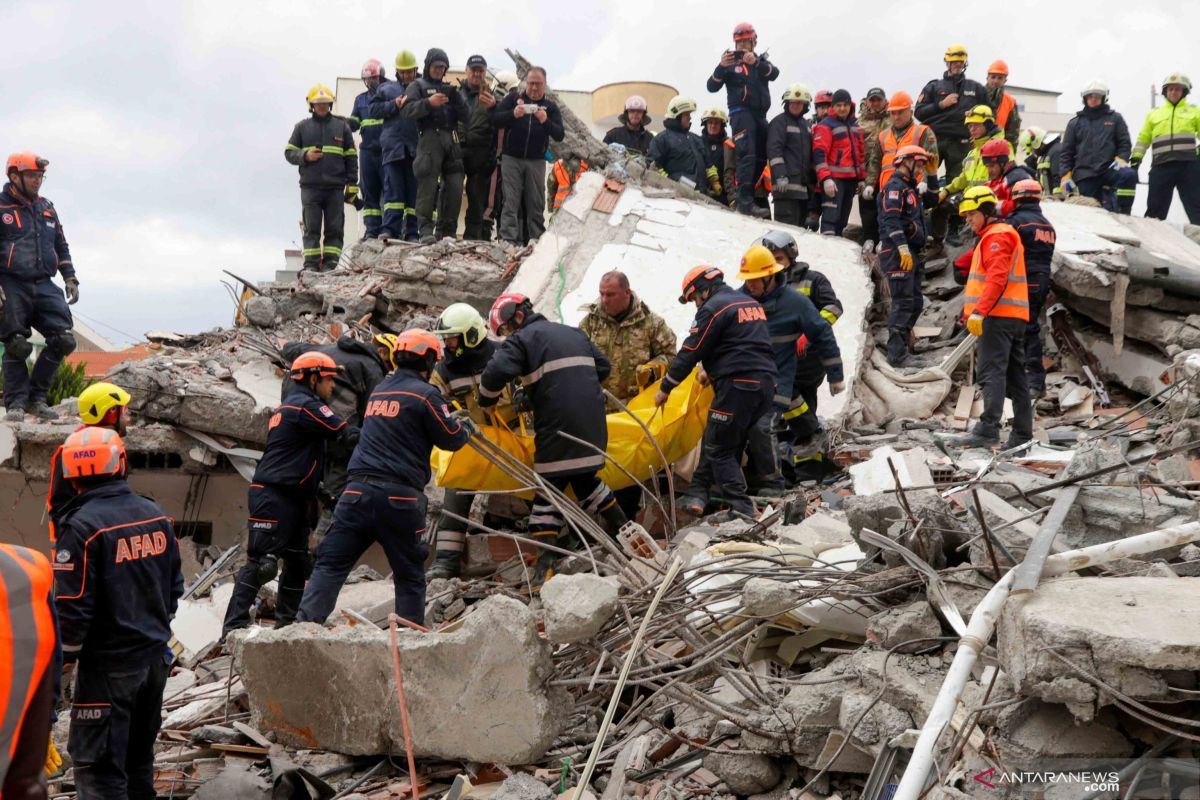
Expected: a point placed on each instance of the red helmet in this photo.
(1027, 189)
(313, 363)
(91, 452)
(698, 278)
(420, 343)
(503, 310)
(995, 149)
(26, 161)
(372, 69)
(824, 98)
(743, 31)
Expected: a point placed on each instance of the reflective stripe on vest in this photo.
(890, 146)
(563, 177)
(1014, 300)
(1007, 104)
(27, 634)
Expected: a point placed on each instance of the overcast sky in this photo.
(165, 122)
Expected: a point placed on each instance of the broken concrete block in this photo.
(576, 607)
(479, 693)
(764, 597)
(197, 624)
(216, 733)
(1126, 631)
(802, 720)
(1050, 732)
(896, 625)
(260, 310)
(820, 532)
(744, 773)
(238, 781)
(523, 786)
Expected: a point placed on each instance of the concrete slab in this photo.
(258, 379)
(1081, 229)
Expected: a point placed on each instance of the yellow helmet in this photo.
(98, 399)
(956, 52)
(320, 94)
(715, 113)
(387, 340)
(975, 197)
(406, 60)
(757, 262)
(981, 114)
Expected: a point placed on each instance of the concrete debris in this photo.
(523, 786)
(914, 623)
(744, 773)
(576, 607)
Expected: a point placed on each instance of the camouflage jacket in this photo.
(640, 338)
(871, 125)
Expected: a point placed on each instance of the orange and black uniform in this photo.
(997, 290)
(282, 502)
(117, 584)
(730, 337)
(26, 676)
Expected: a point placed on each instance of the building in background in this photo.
(1039, 107)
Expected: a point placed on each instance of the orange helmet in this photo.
(998, 67)
(915, 152)
(92, 452)
(313, 363)
(744, 30)
(900, 101)
(420, 343)
(698, 278)
(26, 161)
(1027, 189)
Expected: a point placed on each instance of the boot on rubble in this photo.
(446, 564)
(614, 519)
(897, 348)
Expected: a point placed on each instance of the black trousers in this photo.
(114, 721)
(737, 405)
(791, 210)
(868, 211)
(451, 532)
(399, 201)
(592, 494)
(951, 152)
(370, 182)
(763, 470)
(1165, 179)
(439, 171)
(1000, 370)
(907, 299)
(478, 223)
(279, 525)
(750, 152)
(389, 513)
(1039, 287)
(29, 306)
(835, 211)
(323, 209)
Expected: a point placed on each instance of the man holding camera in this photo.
(531, 120)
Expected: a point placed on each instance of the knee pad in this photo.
(60, 345)
(18, 348)
(265, 567)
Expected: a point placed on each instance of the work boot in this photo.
(14, 414)
(428, 239)
(446, 564)
(614, 519)
(897, 349)
(692, 505)
(1015, 441)
(935, 249)
(972, 439)
(42, 411)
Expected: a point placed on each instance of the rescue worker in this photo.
(1003, 172)
(678, 153)
(385, 501)
(370, 148)
(1038, 238)
(282, 499)
(561, 180)
(1008, 116)
(531, 121)
(561, 371)
(900, 131)
(34, 250)
(800, 276)
(117, 582)
(903, 235)
(789, 156)
(1043, 157)
(1096, 151)
(438, 109)
(322, 146)
(632, 133)
(745, 74)
(790, 315)
(872, 118)
(399, 144)
(729, 338)
(981, 122)
(466, 350)
(27, 619)
(720, 161)
(838, 160)
(942, 105)
(1172, 132)
(478, 136)
(821, 104)
(996, 310)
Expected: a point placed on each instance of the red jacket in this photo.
(838, 149)
(1003, 187)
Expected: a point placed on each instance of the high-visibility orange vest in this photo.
(565, 181)
(26, 639)
(890, 145)
(1014, 300)
(1007, 104)
(764, 181)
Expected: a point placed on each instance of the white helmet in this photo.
(506, 81)
(798, 92)
(1032, 138)
(1095, 87)
(635, 102)
(1177, 79)
(679, 106)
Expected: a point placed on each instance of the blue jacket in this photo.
(117, 578)
(32, 244)
(746, 87)
(369, 126)
(1037, 234)
(901, 220)
(729, 336)
(399, 135)
(791, 315)
(294, 458)
(1094, 137)
(405, 419)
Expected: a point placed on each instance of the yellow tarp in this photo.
(677, 428)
